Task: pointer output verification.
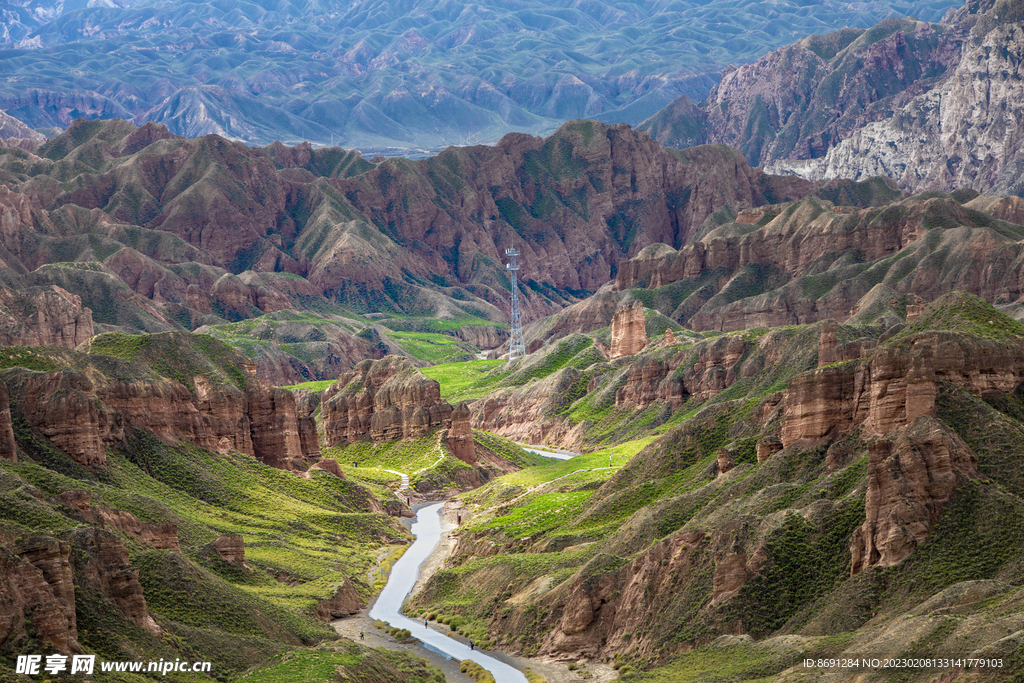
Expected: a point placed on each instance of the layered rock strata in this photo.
(931, 106)
(387, 399)
(43, 316)
(159, 536)
(791, 269)
(629, 331)
(911, 474)
(963, 133)
(37, 584)
(598, 615)
(530, 413)
(8, 447)
(890, 396)
(104, 566)
(230, 548)
(896, 384)
(459, 436)
(82, 416)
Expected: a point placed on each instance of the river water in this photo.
(427, 530)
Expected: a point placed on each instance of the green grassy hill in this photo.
(642, 532)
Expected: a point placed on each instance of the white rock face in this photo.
(967, 132)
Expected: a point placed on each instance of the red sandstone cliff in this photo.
(104, 566)
(388, 399)
(40, 316)
(83, 416)
(37, 585)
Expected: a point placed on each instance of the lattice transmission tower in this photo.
(516, 346)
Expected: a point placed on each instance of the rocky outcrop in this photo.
(483, 336)
(43, 316)
(896, 384)
(598, 614)
(459, 436)
(37, 586)
(650, 380)
(274, 424)
(799, 235)
(964, 132)
(767, 447)
(525, 414)
(792, 269)
(327, 465)
(343, 603)
(11, 127)
(725, 460)
(159, 536)
(309, 441)
(230, 548)
(104, 566)
(731, 575)
(8, 447)
(82, 417)
(62, 405)
(532, 413)
(911, 474)
(629, 331)
(387, 399)
(933, 107)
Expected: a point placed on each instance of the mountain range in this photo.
(932, 106)
(413, 75)
(228, 372)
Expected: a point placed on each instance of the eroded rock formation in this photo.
(43, 316)
(230, 548)
(629, 331)
(62, 405)
(8, 447)
(599, 614)
(104, 566)
(459, 437)
(159, 536)
(388, 399)
(896, 384)
(274, 424)
(911, 474)
(37, 585)
(344, 602)
(932, 106)
(82, 416)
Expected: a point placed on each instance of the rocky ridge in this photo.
(840, 435)
(790, 263)
(90, 406)
(931, 106)
(387, 400)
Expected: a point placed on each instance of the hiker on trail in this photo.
(361, 636)
(424, 623)
(471, 645)
(458, 518)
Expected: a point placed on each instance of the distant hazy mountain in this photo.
(408, 73)
(932, 106)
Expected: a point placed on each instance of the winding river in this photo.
(427, 530)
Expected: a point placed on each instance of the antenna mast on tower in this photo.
(516, 346)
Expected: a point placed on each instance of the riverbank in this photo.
(554, 672)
